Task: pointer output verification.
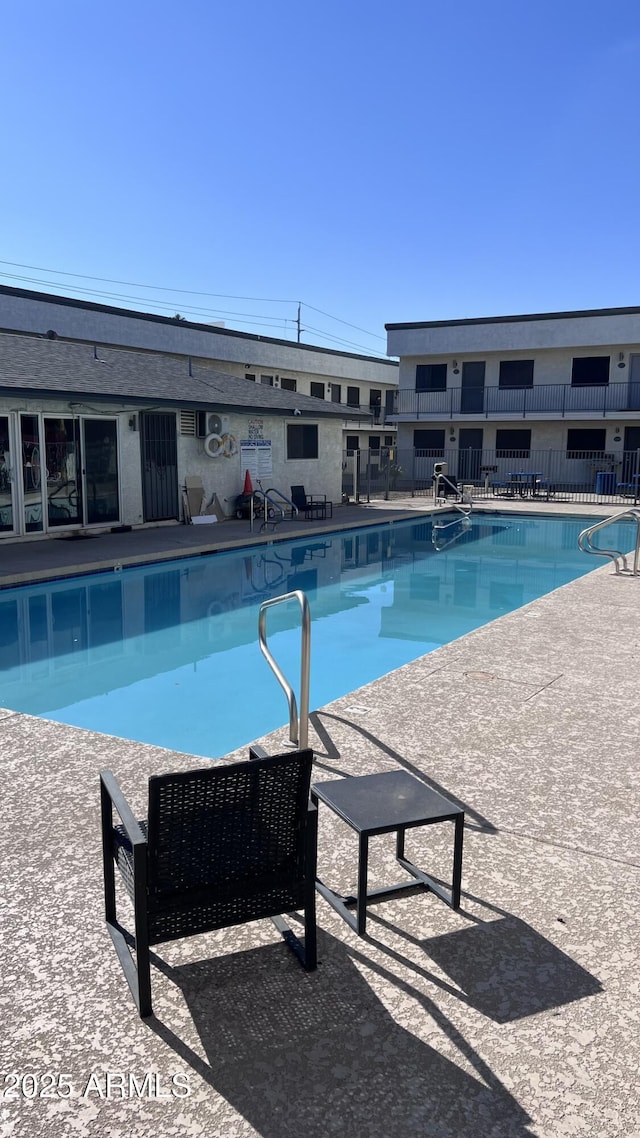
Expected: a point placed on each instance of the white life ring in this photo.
(230, 447)
(213, 446)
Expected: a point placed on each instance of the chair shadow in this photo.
(319, 1054)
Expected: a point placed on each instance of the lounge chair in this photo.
(220, 846)
(311, 505)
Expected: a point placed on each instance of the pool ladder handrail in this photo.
(464, 506)
(438, 528)
(619, 559)
(298, 724)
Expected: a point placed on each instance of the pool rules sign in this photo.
(256, 457)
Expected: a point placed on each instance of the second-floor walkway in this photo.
(556, 400)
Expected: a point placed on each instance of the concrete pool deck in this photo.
(37, 559)
(518, 1015)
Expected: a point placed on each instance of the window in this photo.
(353, 443)
(302, 440)
(429, 441)
(431, 377)
(375, 398)
(317, 390)
(589, 371)
(353, 396)
(336, 393)
(249, 375)
(516, 373)
(388, 440)
(288, 384)
(513, 444)
(580, 440)
(267, 380)
(374, 442)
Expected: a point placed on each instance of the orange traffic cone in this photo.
(248, 488)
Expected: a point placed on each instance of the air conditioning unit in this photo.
(214, 424)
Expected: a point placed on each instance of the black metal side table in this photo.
(380, 804)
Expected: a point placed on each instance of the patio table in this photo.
(381, 804)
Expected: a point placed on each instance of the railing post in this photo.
(298, 725)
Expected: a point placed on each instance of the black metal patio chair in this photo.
(221, 846)
(311, 505)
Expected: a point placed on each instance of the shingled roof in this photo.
(52, 367)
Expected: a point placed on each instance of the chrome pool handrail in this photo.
(619, 559)
(298, 725)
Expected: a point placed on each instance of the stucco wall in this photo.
(30, 314)
(222, 476)
(514, 335)
(552, 366)
(548, 435)
(225, 476)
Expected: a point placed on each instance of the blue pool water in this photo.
(168, 654)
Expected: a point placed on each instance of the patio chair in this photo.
(221, 846)
(311, 505)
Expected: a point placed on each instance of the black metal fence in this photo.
(546, 475)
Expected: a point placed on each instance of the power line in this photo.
(134, 284)
(253, 319)
(340, 340)
(263, 321)
(377, 336)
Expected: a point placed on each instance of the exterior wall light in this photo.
(621, 362)
(456, 369)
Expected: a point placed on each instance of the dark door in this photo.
(469, 454)
(631, 457)
(472, 393)
(633, 394)
(159, 466)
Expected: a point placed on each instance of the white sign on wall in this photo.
(256, 457)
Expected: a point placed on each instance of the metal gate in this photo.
(158, 448)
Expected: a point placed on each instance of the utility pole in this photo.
(298, 321)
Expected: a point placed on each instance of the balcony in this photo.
(556, 400)
(379, 414)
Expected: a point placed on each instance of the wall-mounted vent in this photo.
(188, 422)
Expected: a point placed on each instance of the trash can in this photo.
(606, 482)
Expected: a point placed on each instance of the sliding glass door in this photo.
(61, 472)
(100, 443)
(7, 491)
(69, 472)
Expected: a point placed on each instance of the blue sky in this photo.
(379, 162)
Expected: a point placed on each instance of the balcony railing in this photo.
(558, 399)
(379, 415)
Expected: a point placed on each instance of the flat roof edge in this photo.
(631, 311)
(134, 314)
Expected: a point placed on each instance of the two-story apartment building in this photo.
(555, 393)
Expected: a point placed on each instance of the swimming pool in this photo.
(168, 653)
